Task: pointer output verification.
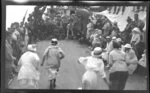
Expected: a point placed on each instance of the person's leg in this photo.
(138, 8)
(114, 81)
(123, 79)
(67, 34)
(118, 10)
(140, 70)
(123, 9)
(115, 8)
(51, 85)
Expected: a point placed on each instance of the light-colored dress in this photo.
(94, 66)
(28, 74)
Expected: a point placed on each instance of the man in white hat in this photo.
(136, 40)
(131, 59)
(94, 67)
(136, 34)
(29, 63)
(51, 61)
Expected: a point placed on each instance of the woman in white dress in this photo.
(94, 68)
(29, 75)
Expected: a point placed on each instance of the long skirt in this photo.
(118, 80)
(90, 80)
(28, 84)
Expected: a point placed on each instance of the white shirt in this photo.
(117, 59)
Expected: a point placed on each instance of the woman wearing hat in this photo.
(94, 67)
(131, 59)
(118, 68)
(135, 40)
(29, 75)
(136, 34)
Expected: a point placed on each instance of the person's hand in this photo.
(14, 58)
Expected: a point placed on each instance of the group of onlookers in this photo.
(16, 43)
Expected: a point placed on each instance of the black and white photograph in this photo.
(86, 47)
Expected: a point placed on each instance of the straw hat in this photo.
(32, 47)
(136, 30)
(127, 46)
(96, 52)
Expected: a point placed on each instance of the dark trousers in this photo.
(118, 80)
(141, 70)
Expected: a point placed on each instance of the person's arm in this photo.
(133, 57)
(110, 60)
(62, 55)
(82, 60)
(103, 74)
(137, 40)
(86, 84)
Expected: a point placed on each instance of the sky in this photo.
(15, 13)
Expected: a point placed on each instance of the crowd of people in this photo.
(122, 53)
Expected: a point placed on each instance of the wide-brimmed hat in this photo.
(136, 30)
(97, 52)
(127, 46)
(32, 47)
